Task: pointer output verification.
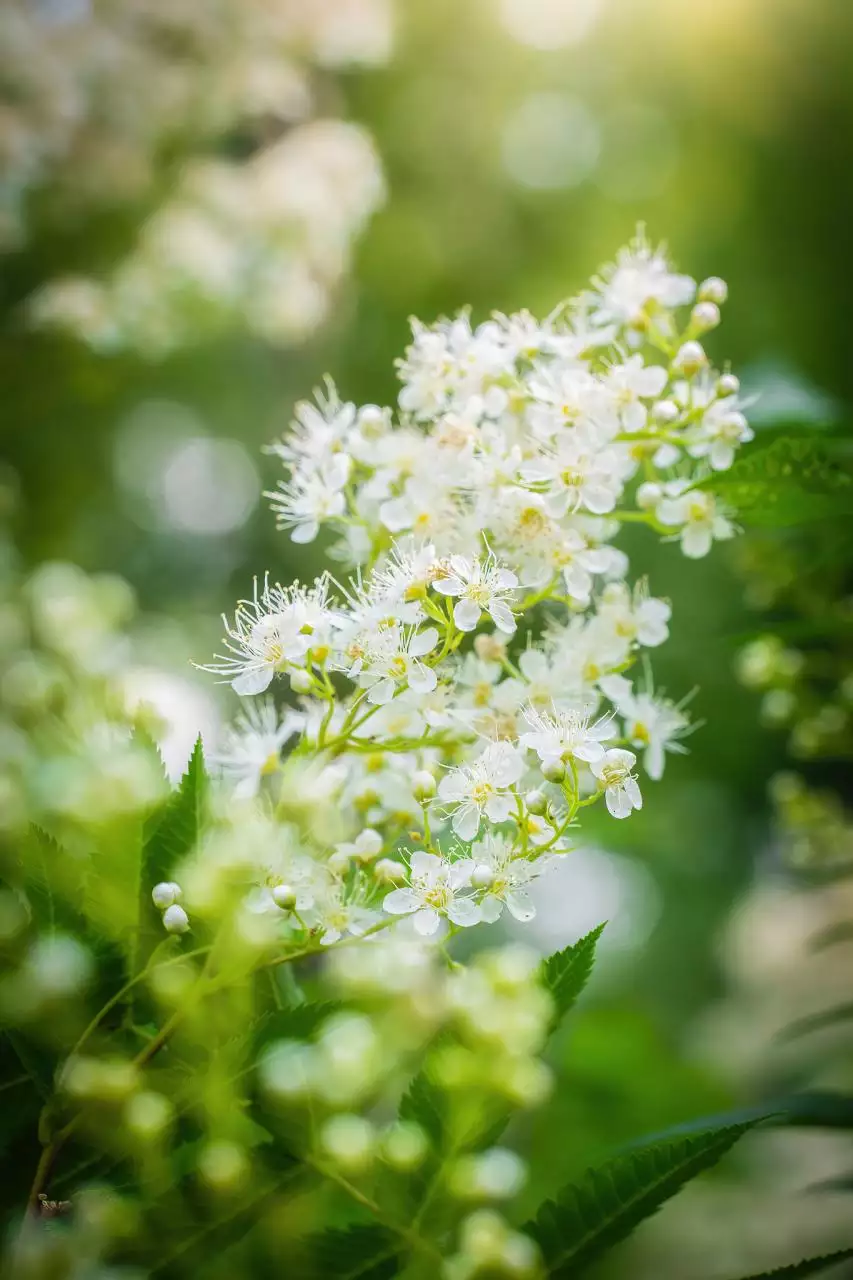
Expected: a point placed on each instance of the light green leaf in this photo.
(359, 1253)
(589, 1218)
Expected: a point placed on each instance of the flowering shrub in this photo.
(231, 1009)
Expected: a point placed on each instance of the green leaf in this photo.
(589, 1218)
(169, 834)
(794, 480)
(817, 1021)
(424, 1103)
(565, 973)
(832, 936)
(297, 1023)
(359, 1253)
(809, 1267)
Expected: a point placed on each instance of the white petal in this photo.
(426, 921)
(589, 751)
(422, 679)
(466, 823)
(490, 909)
(466, 614)
(381, 693)
(449, 586)
(251, 682)
(423, 642)
(399, 902)
(464, 912)
(305, 532)
(520, 905)
(502, 616)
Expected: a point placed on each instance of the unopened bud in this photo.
(649, 495)
(713, 290)
(489, 648)
(147, 1114)
(728, 385)
(349, 1140)
(482, 877)
(705, 316)
(284, 896)
(175, 919)
(665, 412)
(554, 770)
(690, 358)
(423, 786)
(301, 681)
(390, 871)
(223, 1165)
(166, 893)
(536, 802)
(405, 1145)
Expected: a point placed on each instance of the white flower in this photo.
(621, 792)
(639, 284)
(436, 888)
(510, 877)
(722, 430)
(310, 499)
(578, 474)
(392, 658)
(272, 631)
(631, 383)
(626, 618)
(252, 745)
(653, 724)
(700, 518)
(482, 787)
(562, 736)
(317, 431)
(341, 910)
(478, 585)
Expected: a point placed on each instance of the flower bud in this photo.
(404, 1145)
(713, 290)
(665, 412)
(147, 1114)
(554, 770)
(482, 877)
(690, 358)
(175, 919)
(301, 681)
(166, 893)
(349, 1140)
(490, 648)
(649, 495)
(536, 802)
(728, 385)
(704, 316)
(423, 786)
(223, 1165)
(390, 871)
(284, 896)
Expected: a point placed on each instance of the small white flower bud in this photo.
(482, 877)
(649, 495)
(223, 1165)
(166, 893)
(147, 1114)
(389, 871)
(423, 786)
(665, 412)
(404, 1145)
(349, 1140)
(704, 316)
(175, 919)
(301, 682)
(284, 896)
(713, 290)
(339, 863)
(690, 358)
(536, 801)
(490, 647)
(554, 770)
(728, 385)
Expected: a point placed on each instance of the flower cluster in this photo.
(463, 698)
(260, 241)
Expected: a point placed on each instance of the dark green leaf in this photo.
(809, 1267)
(358, 1253)
(297, 1023)
(424, 1103)
(833, 936)
(589, 1218)
(565, 973)
(791, 481)
(844, 1183)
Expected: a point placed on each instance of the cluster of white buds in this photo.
(464, 696)
(165, 897)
